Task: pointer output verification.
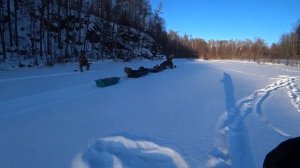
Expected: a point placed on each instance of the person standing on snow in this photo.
(83, 61)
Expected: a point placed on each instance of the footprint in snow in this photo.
(119, 152)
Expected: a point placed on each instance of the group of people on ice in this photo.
(167, 64)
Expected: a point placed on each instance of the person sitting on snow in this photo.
(167, 63)
(136, 73)
(83, 61)
(156, 68)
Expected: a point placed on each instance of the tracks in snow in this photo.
(119, 152)
(38, 102)
(294, 93)
(255, 100)
(44, 76)
(232, 147)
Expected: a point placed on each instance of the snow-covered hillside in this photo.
(51, 32)
(200, 114)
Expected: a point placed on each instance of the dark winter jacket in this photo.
(83, 61)
(285, 155)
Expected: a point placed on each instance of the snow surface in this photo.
(200, 114)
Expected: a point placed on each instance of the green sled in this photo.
(104, 82)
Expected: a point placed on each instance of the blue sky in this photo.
(231, 19)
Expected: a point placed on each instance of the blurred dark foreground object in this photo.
(285, 155)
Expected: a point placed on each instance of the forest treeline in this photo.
(57, 30)
(287, 48)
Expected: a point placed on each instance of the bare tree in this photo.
(298, 41)
(16, 8)
(41, 30)
(9, 24)
(2, 31)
